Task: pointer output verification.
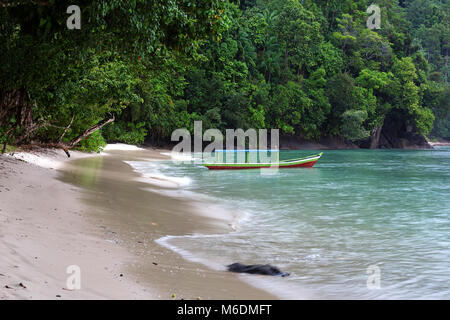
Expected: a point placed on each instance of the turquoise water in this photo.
(328, 224)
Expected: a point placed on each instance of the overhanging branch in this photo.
(90, 131)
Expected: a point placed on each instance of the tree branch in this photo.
(30, 130)
(90, 131)
(65, 130)
(71, 144)
(8, 135)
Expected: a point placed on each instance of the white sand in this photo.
(45, 228)
(121, 146)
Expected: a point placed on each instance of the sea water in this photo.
(361, 224)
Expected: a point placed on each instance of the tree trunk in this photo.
(67, 146)
(375, 138)
(13, 104)
(66, 129)
(29, 130)
(90, 131)
(8, 135)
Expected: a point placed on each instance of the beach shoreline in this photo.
(45, 229)
(95, 212)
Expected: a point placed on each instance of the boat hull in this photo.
(299, 163)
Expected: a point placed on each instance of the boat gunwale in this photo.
(268, 164)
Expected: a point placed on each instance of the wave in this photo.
(179, 156)
(165, 242)
(151, 174)
(280, 287)
(220, 211)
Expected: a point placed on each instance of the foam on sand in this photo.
(179, 156)
(151, 174)
(49, 158)
(55, 158)
(166, 242)
(164, 181)
(41, 160)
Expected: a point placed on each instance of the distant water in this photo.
(355, 209)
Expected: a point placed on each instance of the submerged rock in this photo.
(264, 269)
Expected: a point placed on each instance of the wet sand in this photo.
(106, 221)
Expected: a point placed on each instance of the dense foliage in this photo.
(310, 68)
(56, 83)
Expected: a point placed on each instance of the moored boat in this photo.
(306, 162)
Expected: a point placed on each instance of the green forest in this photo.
(137, 70)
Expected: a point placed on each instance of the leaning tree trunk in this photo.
(14, 104)
(67, 146)
(86, 133)
(90, 131)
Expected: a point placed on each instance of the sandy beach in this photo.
(93, 211)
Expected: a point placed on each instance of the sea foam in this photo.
(151, 174)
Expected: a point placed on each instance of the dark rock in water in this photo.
(264, 269)
(397, 132)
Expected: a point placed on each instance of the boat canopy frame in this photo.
(247, 151)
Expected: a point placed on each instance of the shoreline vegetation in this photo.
(135, 73)
(94, 211)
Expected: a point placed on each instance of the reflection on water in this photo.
(85, 172)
